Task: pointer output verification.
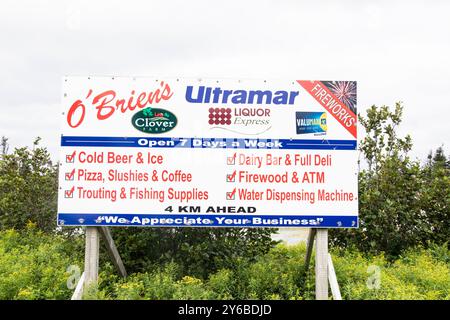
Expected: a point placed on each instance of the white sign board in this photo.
(208, 152)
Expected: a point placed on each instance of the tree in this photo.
(435, 196)
(438, 159)
(381, 141)
(28, 187)
(398, 208)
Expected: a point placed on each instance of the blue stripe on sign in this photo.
(214, 143)
(192, 220)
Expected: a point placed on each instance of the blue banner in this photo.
(192, 220)
(215, 143)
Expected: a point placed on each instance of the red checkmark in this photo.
(69, 193)
(70, 175)
(230, 195)
(231, 177)
(231, 160)
(71, 158)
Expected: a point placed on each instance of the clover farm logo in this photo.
(154, 121)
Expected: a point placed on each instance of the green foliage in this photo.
(222, 284)
(401, 203)
(197, 251)
(160, 284)
(440, 253)
(435, 197)
(381, 141)
(28, 188)
(276, 275)
(417, 274)
(34, 265)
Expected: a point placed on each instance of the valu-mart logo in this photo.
(154, 120)
(311, 122)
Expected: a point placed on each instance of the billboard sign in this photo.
(208, 153)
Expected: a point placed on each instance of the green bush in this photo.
(34, 265)
(402, 204)
(222, 284)
(276, 275)
(197, 251)
(161, 284)
(417, 274)
(28, 188)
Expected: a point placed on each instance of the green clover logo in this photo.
(148, 112)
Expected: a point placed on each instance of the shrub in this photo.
(276, 275)
(197, 251)
(415, 275)
(222, 284)
(28, 188)
(34, 265)
(401, 203)
(161, 284)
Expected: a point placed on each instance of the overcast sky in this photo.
(396, 50)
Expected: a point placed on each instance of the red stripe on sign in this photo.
(333, 105)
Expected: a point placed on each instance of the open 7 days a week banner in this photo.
(208, 153)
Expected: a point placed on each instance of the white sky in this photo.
(396, 50)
